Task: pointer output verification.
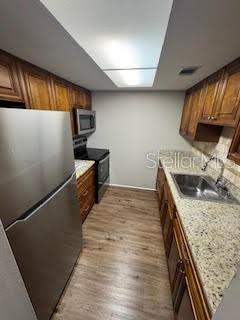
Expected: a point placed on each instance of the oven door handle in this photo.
(101, 161)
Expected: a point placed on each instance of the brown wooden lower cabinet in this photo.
(160, 183)
(167, 213)
(86, 192)
(189, 300)
(175, 264)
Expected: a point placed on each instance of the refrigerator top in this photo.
(36, 157)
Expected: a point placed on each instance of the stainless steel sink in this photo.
(200, 188)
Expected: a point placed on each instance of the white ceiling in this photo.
(202, 33)
(118, 35)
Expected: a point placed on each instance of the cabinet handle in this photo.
(185, 257)
(209, 118)
(85, 193)
(86, 210)
(212, 118)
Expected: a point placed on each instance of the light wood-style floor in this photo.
(122, 272)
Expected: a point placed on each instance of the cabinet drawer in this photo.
(86, 181)
(86, 197)
(86, 203)
(86, 192)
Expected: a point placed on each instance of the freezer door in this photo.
(36, 157)
(46, 245)
(14, 300)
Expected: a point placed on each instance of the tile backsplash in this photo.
(220, 149)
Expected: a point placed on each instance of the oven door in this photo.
(103, 170)
(86, 121)
(103, 177)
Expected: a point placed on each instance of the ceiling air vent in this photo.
(188, 71)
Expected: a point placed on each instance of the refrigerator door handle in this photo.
(42, 204)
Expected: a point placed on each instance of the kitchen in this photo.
(120, 159)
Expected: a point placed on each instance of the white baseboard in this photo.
(131, 187)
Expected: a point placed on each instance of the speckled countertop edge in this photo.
(82, 166)
(212, 229)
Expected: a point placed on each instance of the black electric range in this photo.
(101, 158)
(92, 154)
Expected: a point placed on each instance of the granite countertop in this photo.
(82, 166)
(212, 229)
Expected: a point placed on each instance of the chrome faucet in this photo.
(220, 182)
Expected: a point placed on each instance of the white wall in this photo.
(132, 124)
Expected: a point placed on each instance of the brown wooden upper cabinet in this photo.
(186, 113)
(77, 96)
(9, 81)
(37, 87)
(81, 97)
(234, 152)
(62, 96)
(194, 110)
(221, 103)
(227, 110)
(23, 82)
(210, 90)
(190, 127)
(88, 99)
(212, 104)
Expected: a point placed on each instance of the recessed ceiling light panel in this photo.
(117, 34)
(132, 78)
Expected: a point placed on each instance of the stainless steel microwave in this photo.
(85, 121)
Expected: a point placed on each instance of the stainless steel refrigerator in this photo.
(38, 197)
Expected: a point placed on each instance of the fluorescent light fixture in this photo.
(119, 55)
(117, 35)
(132, 78)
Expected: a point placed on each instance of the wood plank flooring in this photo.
(122, 272)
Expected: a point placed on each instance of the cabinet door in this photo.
(169, 212)
(167, 228)
(175, 266)
(163, 211)
(62, 95)
(210, 94)
(183, 306)
(38, 89)
(77, 96)
(87, 99)
(234, 152)
(160, 184)
(228, 105)
(194, 110)
(186, 114)
(9, 82)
